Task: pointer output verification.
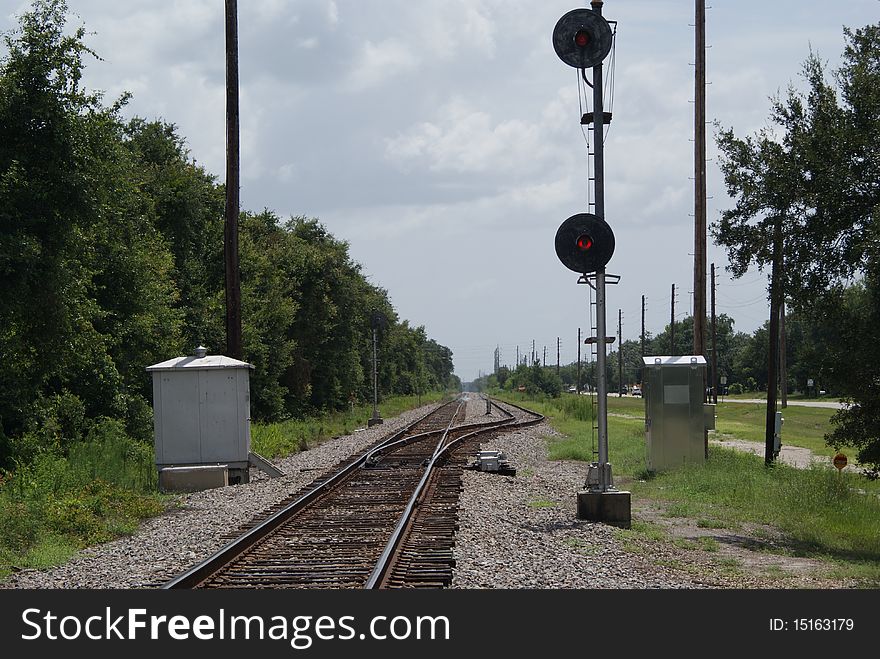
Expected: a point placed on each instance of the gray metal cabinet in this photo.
(675, 422)
(201, 411)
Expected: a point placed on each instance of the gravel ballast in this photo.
(514, 531)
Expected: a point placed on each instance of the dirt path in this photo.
(758, 552)
(795, 456)
(830, 404)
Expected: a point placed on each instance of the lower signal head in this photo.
(584, 243)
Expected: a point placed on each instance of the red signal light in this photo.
(582, 38)
(584, 242)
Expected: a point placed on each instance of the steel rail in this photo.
(382, 565)
(378, 451)
(203, 570)
(391, 547)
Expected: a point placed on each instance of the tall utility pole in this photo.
(230, 236)
(773, 344)
(783, 371)
(672, 324)
(376, 418)
(533, 352)
(643, 326)
(557, 355)
(377, 321)
(620, 351)
(714, 344)
(700, 183)
(544, 363)
(578, 387)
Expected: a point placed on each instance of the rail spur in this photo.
(385, 519)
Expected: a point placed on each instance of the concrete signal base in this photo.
(192, 478)
(611, 507)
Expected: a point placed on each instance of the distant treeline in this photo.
(742, 360)
(111, 259)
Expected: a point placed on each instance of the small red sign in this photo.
(839, 461)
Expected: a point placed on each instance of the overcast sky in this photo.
(442, 140)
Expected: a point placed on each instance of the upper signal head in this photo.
(582, 38)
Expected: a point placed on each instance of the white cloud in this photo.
(467, 140)
(332, 12)
(378, 63)
(452, 124)
(460, 26)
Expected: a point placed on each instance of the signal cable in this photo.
(609, 82)
(583, 102)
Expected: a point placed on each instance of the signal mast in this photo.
(582, 39)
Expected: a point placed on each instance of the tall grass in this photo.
(104, 486)
(820, 511)
(56, 504)
(274, 440)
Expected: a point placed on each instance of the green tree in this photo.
(684, 340)
(819, 184)
(187, 207)
(853, 360)
(268, 289)
(86, 295)
(111, 258)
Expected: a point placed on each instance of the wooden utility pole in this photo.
(544, 363)
(773, 343)
(714, 344)
(643, 326)
(700, 182)
(620, 351)
(376, 419)
(233, 279)
(672, 324)
(783, 370)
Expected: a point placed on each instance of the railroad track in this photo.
(384, 519)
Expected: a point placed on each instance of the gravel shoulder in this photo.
(523, 532)
(193, 527)
(514, 532)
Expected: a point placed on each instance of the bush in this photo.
(102, 489)
(54, 423)
(576, 407)
(18, 532)
(111, 455)
(735, 388)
